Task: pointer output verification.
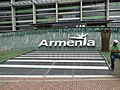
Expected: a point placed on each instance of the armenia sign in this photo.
(79, 40)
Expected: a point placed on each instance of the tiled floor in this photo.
(60, 84)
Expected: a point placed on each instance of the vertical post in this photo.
(107, 11)
(80, 10)
(56, 11)
(13, 15)
(34, 12)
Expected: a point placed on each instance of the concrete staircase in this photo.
(57, 64)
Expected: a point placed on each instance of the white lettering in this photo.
(51, 43)
(70, 43)
(91, 43)
(43, 43)
(60, 43)
(84, 41)
(78, 42)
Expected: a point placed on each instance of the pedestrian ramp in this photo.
(57, 64)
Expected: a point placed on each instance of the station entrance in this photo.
(56, 54)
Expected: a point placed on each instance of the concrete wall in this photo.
(31, 39)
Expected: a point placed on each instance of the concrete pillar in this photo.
(13, 15)
(34, 12)
(107, 12)
(80, 10)
(56, 11)
(107, 9)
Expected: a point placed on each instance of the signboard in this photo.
(79, 40)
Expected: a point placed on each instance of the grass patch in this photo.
(4, 55)
(106, 55)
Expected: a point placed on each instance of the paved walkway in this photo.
(60, 84)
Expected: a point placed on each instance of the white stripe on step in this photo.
(60, 76)
(65, 53)
(63, 57)
(59, 67)
(87, 61)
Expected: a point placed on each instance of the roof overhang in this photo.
(71, 23)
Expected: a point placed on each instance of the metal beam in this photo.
(68, 1)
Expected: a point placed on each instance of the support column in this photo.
(107, 9)
(34, 12)
(107, 12)
(56, 11)
(80, 10)
(13, 15)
